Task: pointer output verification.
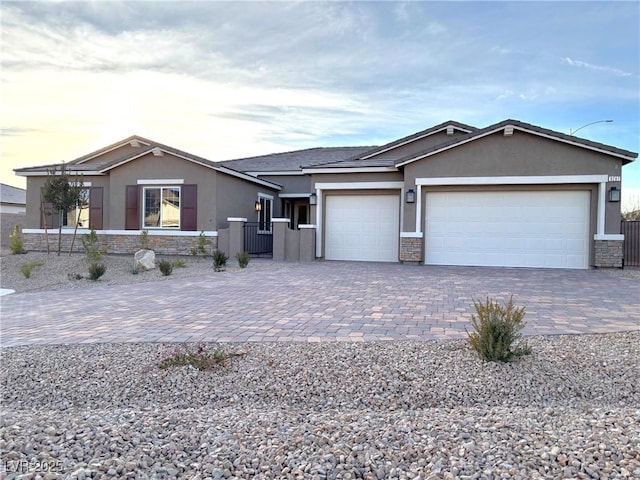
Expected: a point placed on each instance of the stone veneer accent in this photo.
(608, 253)
(119, 243)
(410, 249)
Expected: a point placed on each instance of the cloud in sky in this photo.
(225, 80)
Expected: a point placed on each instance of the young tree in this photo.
(63, 195)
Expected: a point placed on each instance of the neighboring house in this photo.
(511, 194)
(12, 210)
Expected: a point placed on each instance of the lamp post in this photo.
(573, 132)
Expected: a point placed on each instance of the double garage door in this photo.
(512, 229)
(499, 228)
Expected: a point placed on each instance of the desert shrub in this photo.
(26, 268)
(200, 359)
(496, 330)
(92, 251)
(165, 266)
(201, 249)
(96, 270)
(179, 263)
(219, 260)
(16, 242)
(243, 259)
(144, 240)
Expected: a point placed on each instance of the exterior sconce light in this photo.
(614, 194)
(411, 195)
(258, 206)
(313, 199)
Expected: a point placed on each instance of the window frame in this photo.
(160, 219)
(64, 220)
(265, 200)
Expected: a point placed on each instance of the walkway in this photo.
(320, 301)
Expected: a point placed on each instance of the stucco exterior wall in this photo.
(355, 177)
(291, 183)
(236, 198)
(165, 167)
(519, 155)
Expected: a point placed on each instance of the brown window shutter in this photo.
(51, 218)
(132, 213)
(189, 207)
(95, 208)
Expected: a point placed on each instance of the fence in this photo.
(631, 246)
(258, 240)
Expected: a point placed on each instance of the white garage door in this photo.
(362, 227)
(511, 229)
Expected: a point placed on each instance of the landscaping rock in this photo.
(145, 260)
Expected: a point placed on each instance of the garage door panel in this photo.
(520, 229)
(362, 227)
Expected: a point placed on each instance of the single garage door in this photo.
(362, 227)
(511, 229)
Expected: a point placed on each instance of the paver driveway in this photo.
(320, 301)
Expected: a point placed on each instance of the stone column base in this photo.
(608, 253)
(411, 249)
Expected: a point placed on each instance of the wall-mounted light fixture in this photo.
(258, 206)
(614, 194)
(313, 199)
(411, 195)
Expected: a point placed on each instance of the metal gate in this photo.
(631, 245)
(258, 239)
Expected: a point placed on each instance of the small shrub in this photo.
(92, 251)
(144, 240)
(201, 249)
(219, 260)
(165, 266)
(243, 259)
(26, 268)
(135, 271)
(179, 263)
(496, 330)
(199, 359)
(16, 242)
(96, 270)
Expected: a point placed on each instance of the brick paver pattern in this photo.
(320, 301)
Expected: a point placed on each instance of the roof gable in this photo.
(508, 127)
(448, 128)
(120, 149)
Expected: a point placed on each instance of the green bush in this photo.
(496, 330)
(26, 268)
(200, 359)
(201, 249)
(92, 251)
(144, 240)
(96, 270)
(16, 242)
(243, 259)
(219, 260)
(179, 263)
(165, 266)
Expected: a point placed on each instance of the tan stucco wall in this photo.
(355, 177)
(291, 183)
(166, 167)
(237, 198)
(519, 155)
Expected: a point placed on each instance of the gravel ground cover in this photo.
(61, 272)
(427, 410)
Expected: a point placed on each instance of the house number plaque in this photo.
(614, 178)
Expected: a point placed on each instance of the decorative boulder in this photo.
(145, 259)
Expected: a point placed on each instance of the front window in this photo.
(161, 207)
(78, 215)
(264, 214)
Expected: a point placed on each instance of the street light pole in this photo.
(573, 132)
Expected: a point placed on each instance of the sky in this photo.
(229, 80)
